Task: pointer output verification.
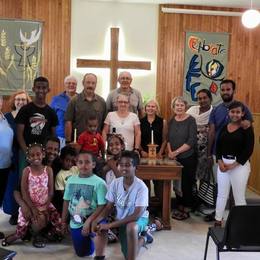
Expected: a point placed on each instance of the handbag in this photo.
(208, 189)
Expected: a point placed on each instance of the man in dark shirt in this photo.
(36, 120)
(219, 115)
(80, 106)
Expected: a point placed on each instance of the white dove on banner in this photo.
(34, 37)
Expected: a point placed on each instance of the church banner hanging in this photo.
(20, 54)
(205, 64)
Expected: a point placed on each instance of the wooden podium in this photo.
(164, 170)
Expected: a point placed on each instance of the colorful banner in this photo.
(205, 64)
(20, 54)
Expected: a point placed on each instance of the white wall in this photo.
(90, 38)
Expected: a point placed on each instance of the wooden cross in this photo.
(114, 63)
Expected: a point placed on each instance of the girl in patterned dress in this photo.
(37, 191)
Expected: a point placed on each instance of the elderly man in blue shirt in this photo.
(59, 104)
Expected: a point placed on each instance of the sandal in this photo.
(5, 243)
(159, 224)
(112, 238)
(180, 215)
(39, 241)
(8, 240)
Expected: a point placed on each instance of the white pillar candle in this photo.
(152, 141)
(75, 135)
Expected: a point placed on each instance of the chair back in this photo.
(243, 227)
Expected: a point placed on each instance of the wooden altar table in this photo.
(164, 170)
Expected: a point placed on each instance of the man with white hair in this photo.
(59, 104)
(136, 101)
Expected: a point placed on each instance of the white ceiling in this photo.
(224, 3)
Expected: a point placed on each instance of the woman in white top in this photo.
(125, 123)
(201, 114)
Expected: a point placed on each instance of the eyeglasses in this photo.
(125, 78)
(20, 99)
(122, 102)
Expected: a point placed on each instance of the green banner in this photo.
(205, 64)
(20, 54)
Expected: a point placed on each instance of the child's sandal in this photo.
(39, 242)
(5, 243)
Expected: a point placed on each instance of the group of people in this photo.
(74, 162)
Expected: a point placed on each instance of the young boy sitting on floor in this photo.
(130, 196)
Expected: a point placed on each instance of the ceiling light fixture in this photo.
(251, 18)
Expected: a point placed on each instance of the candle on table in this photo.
(152, 141)
(75, 135)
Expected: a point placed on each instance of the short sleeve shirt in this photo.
(219, 118)
(183, 132)
(84, 195)
(91, 142)
(59, 105)
(79, 108)
(63, 176)
(127, 201)
(124, 126)
(136, 101)
(37, 121)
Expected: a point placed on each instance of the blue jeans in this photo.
(83, 245)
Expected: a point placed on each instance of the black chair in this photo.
(6, 254)
(241, 232)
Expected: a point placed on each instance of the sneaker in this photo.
(151, 227)
(148, 237)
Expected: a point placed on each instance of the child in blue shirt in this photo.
(84, 199)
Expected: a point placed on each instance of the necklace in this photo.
(122, 118)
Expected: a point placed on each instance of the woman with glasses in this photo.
(125, 123)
